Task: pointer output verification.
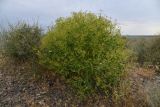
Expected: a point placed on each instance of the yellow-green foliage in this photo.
(87, 50)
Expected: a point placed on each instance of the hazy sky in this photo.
(133, 16)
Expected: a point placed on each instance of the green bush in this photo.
(22, 40)
(87, 50)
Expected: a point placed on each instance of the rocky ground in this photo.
(19, 88)
(145, 87)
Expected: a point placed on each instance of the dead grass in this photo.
(145, 73)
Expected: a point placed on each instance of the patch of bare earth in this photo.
(145, 87)
(20, 88)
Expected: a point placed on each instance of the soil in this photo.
(20, 88)
(145, 87)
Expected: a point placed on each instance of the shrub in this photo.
(141, 50)
(87, 50)
(154, 51)
(22, 40)
(140, 47)
(147, 50)
(2, 40)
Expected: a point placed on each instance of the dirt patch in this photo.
(20, 88)
(145, 87)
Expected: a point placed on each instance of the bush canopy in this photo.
(87, 50)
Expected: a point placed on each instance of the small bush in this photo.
(22, 40)
(154, 51)
(141, 50)
(2, 40)
(87, 50)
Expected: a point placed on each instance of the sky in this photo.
(134, 17)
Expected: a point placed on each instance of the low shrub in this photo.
(154, 51)
(87, 50)
(2, 40)
(22, 40)
(146, 50)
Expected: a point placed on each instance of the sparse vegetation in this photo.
(146, 50)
